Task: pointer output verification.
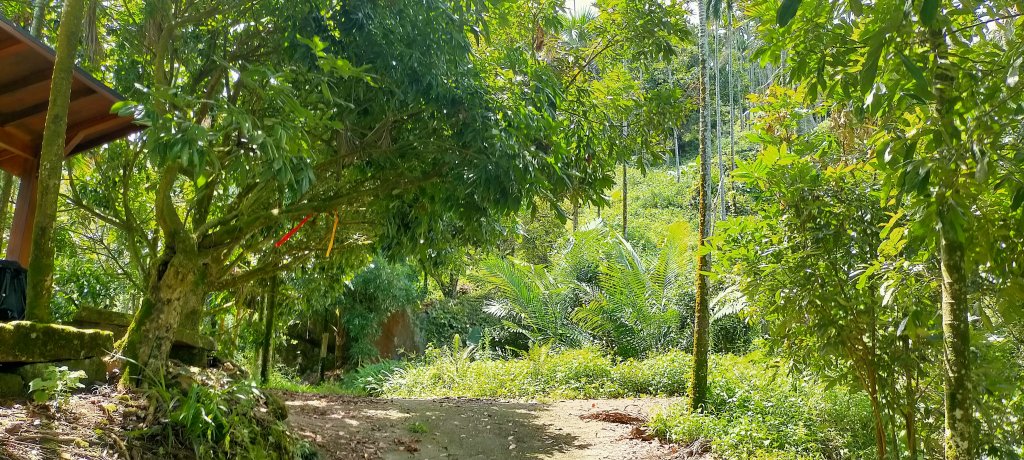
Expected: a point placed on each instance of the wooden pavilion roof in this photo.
(27, 67)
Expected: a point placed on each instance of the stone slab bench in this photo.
(28, 348)
(189, 347)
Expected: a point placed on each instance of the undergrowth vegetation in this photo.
(757, 411)
(540, 373)
(208, 415)
(758, 407)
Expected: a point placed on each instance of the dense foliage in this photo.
(804, 217)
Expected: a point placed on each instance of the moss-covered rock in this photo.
(29, 342)
(118, 323)
(11, 386)
(95, 369)
(100, 316)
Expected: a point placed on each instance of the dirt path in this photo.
(459, 429)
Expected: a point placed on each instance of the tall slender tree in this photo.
(625, 199)
(51, 161)
(732, 96)
(39, 17)
(718, 117)
(956, 333)
(702, 314)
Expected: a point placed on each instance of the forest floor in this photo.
(90, 426)
(346, 428)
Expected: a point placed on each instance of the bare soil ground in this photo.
(458, 429)
(90, 426)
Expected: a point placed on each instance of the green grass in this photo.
(542, 373)
(758, 412)
(417, 428)
(365, 381)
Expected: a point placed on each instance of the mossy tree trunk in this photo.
(51, 162)
(268, 331)
(701, 316)
(39, 17)
(956, 342)
(175, 300)
(956, 334)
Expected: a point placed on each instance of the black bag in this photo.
(12, 290)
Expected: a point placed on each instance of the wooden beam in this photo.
(106, 138)
(42, 77)
(12, 49)
(78, 133)
(15, 144)
(38, 109)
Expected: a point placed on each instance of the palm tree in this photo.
(633, 312)
(598, 291)
(531, 302)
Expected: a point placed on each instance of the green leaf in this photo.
(863, 279)
(920, 82)
(786, 12)
(857, 7)
(1018, 199)
(929, 12)
(870, 70)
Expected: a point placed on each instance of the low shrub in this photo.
(370, 379)
(209, 415)
(663, 375)
(539, 373)
(758, 412)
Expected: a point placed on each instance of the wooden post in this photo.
(20, 243)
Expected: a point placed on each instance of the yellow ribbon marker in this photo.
(333, 230)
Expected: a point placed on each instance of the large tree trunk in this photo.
(51, 162)
(701, 316)
(575, 216)
(175, 299)
(268, 331)
(449, 287)
(956, 341)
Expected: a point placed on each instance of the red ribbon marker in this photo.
(292, 232)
